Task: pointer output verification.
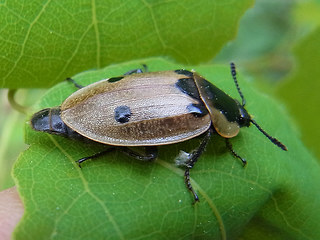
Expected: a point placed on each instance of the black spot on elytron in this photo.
(188, 86)
(184, 72)
(122, 114)
(199, 110)
(115, 79)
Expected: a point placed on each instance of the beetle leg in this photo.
(193, 158)
(138, 70)
(151, 153)
(229, 146)
(74, 83)
(99, 154)
(189, 186)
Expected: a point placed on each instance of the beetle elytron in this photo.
(150, 109)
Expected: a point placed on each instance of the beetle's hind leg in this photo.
(138, 70)
(99, 154)
(74, 83)
(189, 160)
(150, 154)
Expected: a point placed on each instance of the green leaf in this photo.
(42, 43)
(261, 30)
(116, 197)
(301, 89)
(306, 13)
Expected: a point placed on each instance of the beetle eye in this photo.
(243, 122)
(58, 126)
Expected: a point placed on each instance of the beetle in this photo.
(150, 109)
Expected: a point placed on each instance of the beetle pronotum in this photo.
(150, 109)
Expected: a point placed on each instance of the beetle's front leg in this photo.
(229, 146)
(189, 186)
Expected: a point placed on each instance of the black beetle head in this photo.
(244, 118)
(48, 120)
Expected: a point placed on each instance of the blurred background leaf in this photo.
(44, 43)
(300, 91)
(12, 132)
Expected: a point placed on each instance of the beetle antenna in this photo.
(234, 76)
(272, 139)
